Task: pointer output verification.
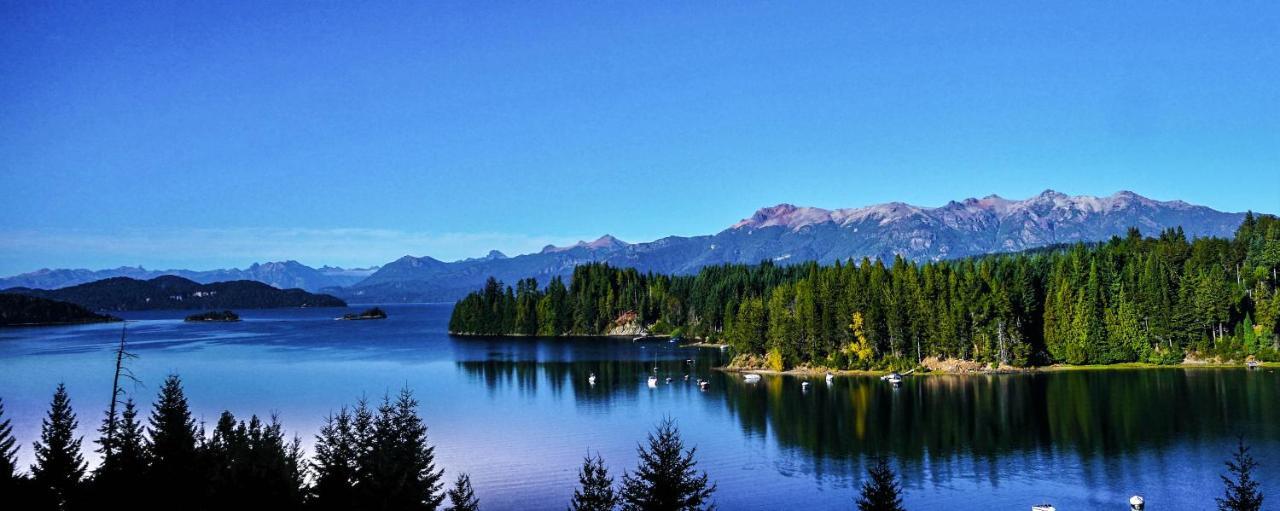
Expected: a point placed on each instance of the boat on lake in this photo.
(653, 382)
(591, 379)
(751, 377)
(893, 378)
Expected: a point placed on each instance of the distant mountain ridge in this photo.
(283, 275)
(172, 292)
(791, 234)
(784, 233)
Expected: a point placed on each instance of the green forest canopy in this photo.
(1128, 299)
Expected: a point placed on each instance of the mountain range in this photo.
(791, 234)
(783, 233)
(283, 275)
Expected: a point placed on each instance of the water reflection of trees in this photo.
(615, 379)
(991, 418)
(932, 419)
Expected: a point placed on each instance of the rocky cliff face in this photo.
(628, 325)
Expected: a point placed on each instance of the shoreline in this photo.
(809, 372)
(970, 370)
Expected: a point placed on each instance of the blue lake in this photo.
(518, 414)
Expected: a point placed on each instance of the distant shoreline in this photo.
(1055, 368)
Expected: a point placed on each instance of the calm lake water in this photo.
(518, 414)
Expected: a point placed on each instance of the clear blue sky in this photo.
(209, 134)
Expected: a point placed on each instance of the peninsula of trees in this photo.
(22, 310)
(1150, 299)
(170, 292)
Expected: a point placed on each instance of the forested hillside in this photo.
(170, 292)
(1155, 299)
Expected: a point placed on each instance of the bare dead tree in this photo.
(116, 391)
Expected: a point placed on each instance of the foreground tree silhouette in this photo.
(462, 497)
(396, 464)
(335, 464)
(253, 466)
(1241, 493)
(666, 478)
(174, 474)
(8, 454)
(59, 466)
(882, 492)
(595, 492)
(124, 457)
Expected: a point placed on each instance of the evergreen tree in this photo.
(461, 496)
(666, 478)
(595, 492)
(397, 465)
(174, 474)
(1241, 490)
(8, 453)
(335, 463)
(252, 465)
(124, 461)
(59, 466)
(882, 492)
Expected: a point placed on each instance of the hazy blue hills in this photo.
(783, 233)
(23, 310)
(283, 275)
(170, 292)
(791, 234)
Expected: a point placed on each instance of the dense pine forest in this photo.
(1160, 299)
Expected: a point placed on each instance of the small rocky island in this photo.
(213, 316)
(374, 313)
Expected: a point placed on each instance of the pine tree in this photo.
(596, 487)
(59, 466)
(123, 463)
(252, 465)
(397, 465)
(335, 463)
(174, 474)
(882, 492)
(666, 478)
(461, 496)
(8, 452)
(1240, 493)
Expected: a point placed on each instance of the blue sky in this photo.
(211, 134)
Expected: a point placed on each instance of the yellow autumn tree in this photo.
(860, 349)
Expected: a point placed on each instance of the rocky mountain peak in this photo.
(786, 215)
(602, 243)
